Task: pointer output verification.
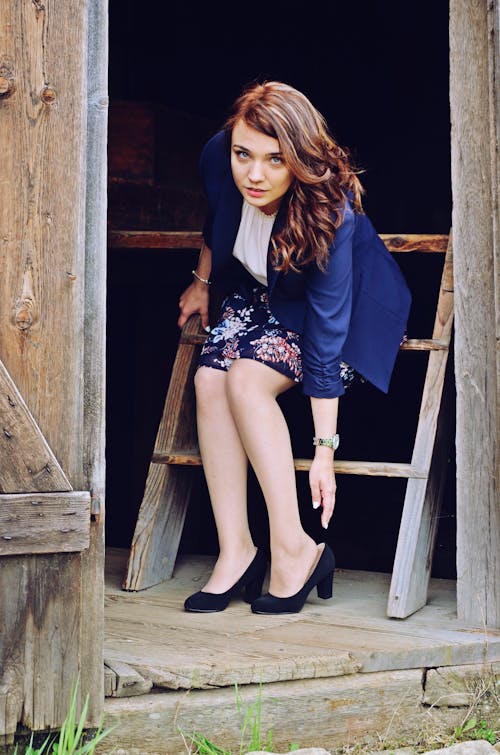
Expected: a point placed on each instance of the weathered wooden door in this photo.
(52, 283)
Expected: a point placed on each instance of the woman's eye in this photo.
(242, 154)
(275, 160)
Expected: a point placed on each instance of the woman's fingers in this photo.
(323, 488)
(328, 501)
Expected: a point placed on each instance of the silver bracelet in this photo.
(202, 280)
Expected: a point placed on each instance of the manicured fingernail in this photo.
(207, 329)
(325, 526)
(315, 504)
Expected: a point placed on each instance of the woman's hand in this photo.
(194, 300)
(322, 483)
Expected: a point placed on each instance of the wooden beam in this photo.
(118, 239)
(370, 468)
(154, 240)
(475, 136)
(94, 354)
(46, 523)
(27, 463)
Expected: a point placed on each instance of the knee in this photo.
(209, 385)
(241, 383)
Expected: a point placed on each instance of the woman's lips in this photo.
(255, 192)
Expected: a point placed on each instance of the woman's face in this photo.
(258, 168)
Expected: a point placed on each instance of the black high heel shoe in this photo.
(321, 578)
(251, 582)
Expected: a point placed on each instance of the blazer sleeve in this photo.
(327, 316)
(213, 165)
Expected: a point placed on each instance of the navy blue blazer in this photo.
(355, 311)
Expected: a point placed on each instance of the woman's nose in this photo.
(255, 172)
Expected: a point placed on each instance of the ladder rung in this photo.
(412, 344)
(425, 344)
(370, 468)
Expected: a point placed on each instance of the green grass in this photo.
(251, 735)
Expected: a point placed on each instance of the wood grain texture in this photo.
(475, 117)
(166, 496)
(151, 633)
(26, 461)
(415, 546)
(94, 354)
(370, 468)
(42, 214)
(42, 282)
(124, 681)
(118, 239)
(40, 639)
(47, 523)
(350, 633)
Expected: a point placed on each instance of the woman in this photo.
(312, 296)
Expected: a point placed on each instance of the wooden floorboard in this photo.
(350, 633)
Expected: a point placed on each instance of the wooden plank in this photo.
(126, 681)
(350, 633)
(475, 163)
(40, 638)
(42, 209)
(42, 219)
(415, 242)
(424, 344)
(123, 239)
(370, 468)
(154, 239)
(109, 681)
(166, 496)
(47, 523)
(412, 344)
(94, 355)
(413, 559)
(26, 461)
(331, 713)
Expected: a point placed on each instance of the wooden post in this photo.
(94, 356)
(475, 118)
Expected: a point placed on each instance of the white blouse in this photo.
(252, 241)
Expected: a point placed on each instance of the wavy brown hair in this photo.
(322, 171)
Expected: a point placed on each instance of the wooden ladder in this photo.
(168, 486)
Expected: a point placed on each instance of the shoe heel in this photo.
(325, 587)
(254, 589)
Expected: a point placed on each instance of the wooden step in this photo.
(412, 344)
(367, 468)
(122, 239)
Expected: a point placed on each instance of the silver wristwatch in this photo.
(332, 442)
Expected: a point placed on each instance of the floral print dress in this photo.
(247, 329)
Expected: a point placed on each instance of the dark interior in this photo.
(378, 71)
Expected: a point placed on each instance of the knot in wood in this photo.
(6, 82)
(48, 95)
(24, 318)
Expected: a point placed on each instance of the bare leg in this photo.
(252, 389)
(225, 465)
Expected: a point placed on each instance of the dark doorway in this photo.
(378, 71)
